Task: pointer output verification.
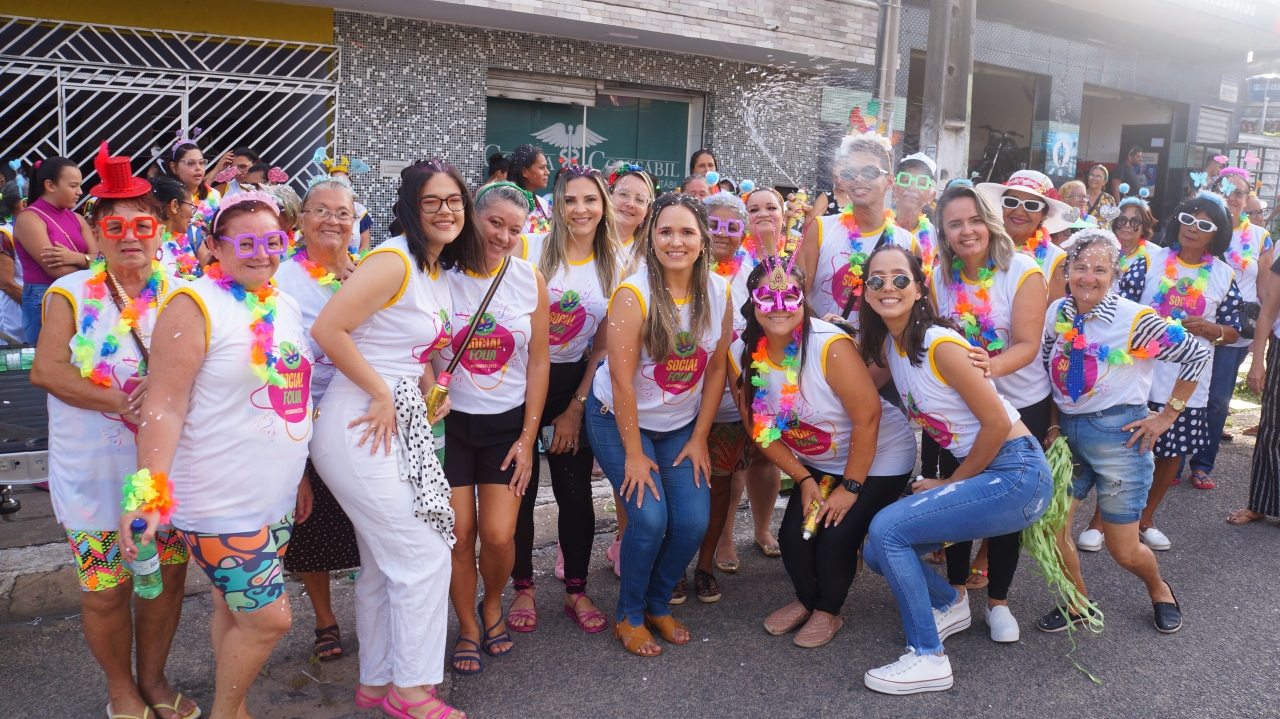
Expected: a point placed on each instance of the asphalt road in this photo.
(1224, 663)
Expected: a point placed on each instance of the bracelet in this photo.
(1053, 427)
(581, 399)
(802, 479)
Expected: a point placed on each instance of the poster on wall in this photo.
(1060, 153)
(1148, 169)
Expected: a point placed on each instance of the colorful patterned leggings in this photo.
(100, 565)
(246, 567)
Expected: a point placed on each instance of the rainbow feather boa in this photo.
(262, 310)
(150, 493)
(770, 426)
(90, 356)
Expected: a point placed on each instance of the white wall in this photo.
(1101, 120)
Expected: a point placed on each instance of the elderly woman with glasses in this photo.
(94, 401)
(1097, 199)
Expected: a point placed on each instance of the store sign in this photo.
(1264, 88)
(650, 133)
(1229, 89)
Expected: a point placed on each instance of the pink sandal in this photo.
(580, 618)
(440, 712)
(522, 614)
(365, 701)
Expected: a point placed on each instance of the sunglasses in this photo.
(143, 227)
(1012, 203)
(866, 172)
(1122, 222)
(875, 283)
(432, 204)
(767, 300)
(275, 243)
(1202, 225)
(732, 228)
(921, 182)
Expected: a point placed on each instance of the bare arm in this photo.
(53, 372)
(1266, 319)
(8, 280)
(523, 452)
(625, 319)
(1029, 307)
(55, 260)
(177, 353)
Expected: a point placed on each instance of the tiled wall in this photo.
(413, 89)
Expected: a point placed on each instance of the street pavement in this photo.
(1224, 663)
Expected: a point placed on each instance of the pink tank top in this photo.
(64, 230)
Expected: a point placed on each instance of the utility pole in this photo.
(948, 81)
(887, 77)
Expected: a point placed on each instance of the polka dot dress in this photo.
(326, 542)
(1187, 435)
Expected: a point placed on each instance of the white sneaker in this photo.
(911, 674)
(1090, 541)
(1155, 539)
(956, 619)
(1004, 628)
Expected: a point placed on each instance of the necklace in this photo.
(1170, 280)
(317, 271)
(857, 258)
(1242, 257)
(1125, 260)
(1074, 339)
(91, 356)
(262, 310)
(730, 268)
(1037, 246)
(186, 265)
(975, 315)
(768, 428)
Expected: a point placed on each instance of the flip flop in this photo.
(174, 708)
(1200, 480)
(146, 713)
(488, 639)
(463, 655)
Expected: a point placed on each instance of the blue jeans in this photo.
(1122, 474)
(1009, 496)
(664, 534)
(32, 319)
(1226, 371)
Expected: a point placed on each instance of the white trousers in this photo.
(402, 592)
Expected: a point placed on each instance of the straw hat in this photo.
(1033, 184)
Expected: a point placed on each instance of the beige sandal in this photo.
(666, 627)
(174, 708)
(146, 713)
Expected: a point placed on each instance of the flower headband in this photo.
(869, 135)
(623, 169)
(528, 196)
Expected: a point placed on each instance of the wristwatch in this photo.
(581, 399)
(1177, 404)
(1222, 335)
(852, 486)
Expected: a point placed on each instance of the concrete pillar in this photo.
(948, 84)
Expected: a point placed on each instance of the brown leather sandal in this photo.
(666, 627)
(633, 638)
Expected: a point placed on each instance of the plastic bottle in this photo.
(146, 568)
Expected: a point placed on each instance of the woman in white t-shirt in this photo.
(631, 191)
(648, 415)
(381, 331)
(815, 413)
(996, 295)
(497, 392)
(1002, 486)
(583, 263)
(11, 203)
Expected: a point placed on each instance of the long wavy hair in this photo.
(873, 331)
(662, 322)
(1000, 247)
(605, 244)
(752, 333)
(464, 252)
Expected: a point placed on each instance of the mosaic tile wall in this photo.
(414, 89)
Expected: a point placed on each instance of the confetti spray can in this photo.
(825, 487)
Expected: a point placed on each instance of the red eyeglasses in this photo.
(114, 227)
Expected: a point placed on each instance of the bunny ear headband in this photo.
(182, 139)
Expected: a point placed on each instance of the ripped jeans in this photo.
(1009, 496)
(1122, 474)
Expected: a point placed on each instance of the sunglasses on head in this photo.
(1191, 220)
(732, 228)
(767, 300)
(866, 172)
(875, 283)
(1009, 202)
(921, 182)
(247, 244)
(114, 227)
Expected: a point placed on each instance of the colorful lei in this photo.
(150, 493)
(730, 268)
(262, 309)
(187, 265)
(1038, 246)
(769, 427)
(1242, 257)
(857, 258)
(318, 272)
(1126, 259)
(975, 315)
(91, 356)
(1170, 280)
(924, 236)
(1075, 340)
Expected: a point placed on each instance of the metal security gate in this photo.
(67, 87)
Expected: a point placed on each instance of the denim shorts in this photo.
(1122, 474)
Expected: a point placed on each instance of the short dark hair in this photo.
(10, 199)
(167, 189)
(243, 151)
(498, 163)
(262, 167)
(1135, 148)
(1217, 215)
(693, 159)
(522, 158)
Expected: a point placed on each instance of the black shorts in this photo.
(476, 444)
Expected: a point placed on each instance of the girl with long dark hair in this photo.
(186, 163)
(530, 172)
(1002, 485)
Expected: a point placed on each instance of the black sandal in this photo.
(327, 640)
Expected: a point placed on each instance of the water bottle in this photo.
(437, 440)
(146, 568)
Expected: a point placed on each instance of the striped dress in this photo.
(1264, 488)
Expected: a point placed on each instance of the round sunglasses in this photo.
(875, 283)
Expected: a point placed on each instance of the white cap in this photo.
(921, 157)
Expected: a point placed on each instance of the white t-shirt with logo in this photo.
(833, 278)
(576, 301)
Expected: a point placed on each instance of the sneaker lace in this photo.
(905, 663)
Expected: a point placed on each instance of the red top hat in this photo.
(117, 177)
